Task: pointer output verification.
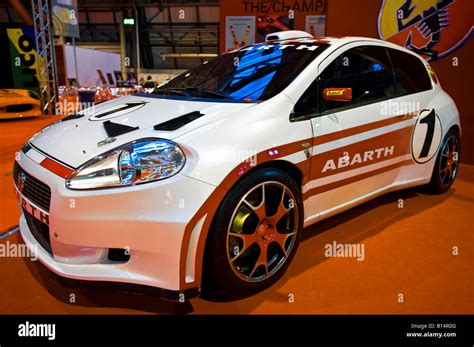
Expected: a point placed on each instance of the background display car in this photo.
(19, 103)
(209, 181)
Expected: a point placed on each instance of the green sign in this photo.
(128, 21)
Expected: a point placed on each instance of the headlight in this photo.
(136, 162)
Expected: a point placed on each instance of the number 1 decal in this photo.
(429, 120)
(426, 136)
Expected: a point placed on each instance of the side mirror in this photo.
(337, 94)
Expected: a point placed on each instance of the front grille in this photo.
(33, 189)
(19, 108)
(39, 230)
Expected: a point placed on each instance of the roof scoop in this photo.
(288, 35)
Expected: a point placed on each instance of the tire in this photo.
(246, 227)
(447, 163)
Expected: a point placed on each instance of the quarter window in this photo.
(410, 73)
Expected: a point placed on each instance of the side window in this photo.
(307, 104)
(366, 70)
(410, 73)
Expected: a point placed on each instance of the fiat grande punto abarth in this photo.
(208, 181)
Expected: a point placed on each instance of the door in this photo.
(359, 143)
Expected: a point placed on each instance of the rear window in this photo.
(410, 73)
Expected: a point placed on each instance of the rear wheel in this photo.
(255, 234)
(447, 163)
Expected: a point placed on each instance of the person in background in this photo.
(149, 82)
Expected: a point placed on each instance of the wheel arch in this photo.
(290, 168)
(284, 165)
(205, 258)
(455, 127)
(209, 210)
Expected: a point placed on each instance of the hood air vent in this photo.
(178, 122)
(116, 129)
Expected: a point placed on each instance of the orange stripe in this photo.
(349, 180)
(56, 168)
(399, 139)
(337, 135)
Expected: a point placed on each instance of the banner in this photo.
(250, 21)
(23, 58)
(316, 25)
(433, 28)
(240, 31)
(65, 18)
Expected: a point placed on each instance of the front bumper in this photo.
(148, 221)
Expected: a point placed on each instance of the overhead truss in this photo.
(44, 38)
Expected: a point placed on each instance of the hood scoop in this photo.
(178, 122)
(116, 129)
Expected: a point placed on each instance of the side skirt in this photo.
(364, 198)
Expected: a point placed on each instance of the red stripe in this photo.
(56, 168)
(340, 134)
(399, 139)
(349, 180)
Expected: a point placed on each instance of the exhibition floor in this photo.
(409, 265)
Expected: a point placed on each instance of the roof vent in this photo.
(288, 35)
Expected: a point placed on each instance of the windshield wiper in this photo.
(177, 91)
(200, 91)
(195, 91)
(191, 92)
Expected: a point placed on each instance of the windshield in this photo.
(250, 74)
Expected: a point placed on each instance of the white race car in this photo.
(208, 181)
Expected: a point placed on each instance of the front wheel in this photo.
(255, 234)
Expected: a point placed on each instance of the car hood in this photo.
(77, 139)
